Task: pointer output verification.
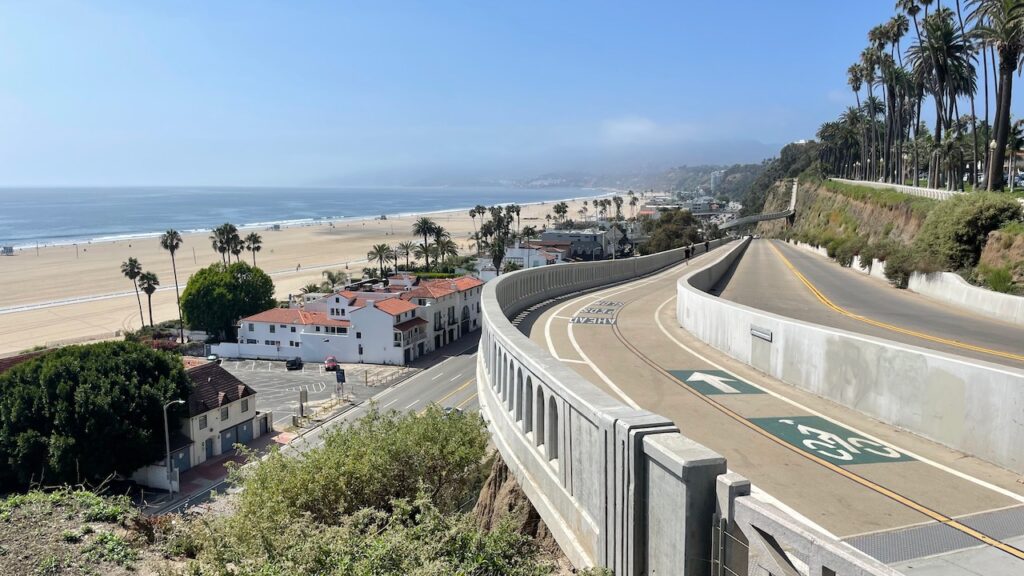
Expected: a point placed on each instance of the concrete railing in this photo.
(969, 405)
(933, 193)
(618, 487)
(953, 289)
(768, 216)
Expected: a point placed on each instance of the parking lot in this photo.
(278, 389)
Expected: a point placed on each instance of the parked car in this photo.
(293, 364)
(213, 358)
(451, 410)
(330, 364)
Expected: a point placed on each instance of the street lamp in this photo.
(167, 441)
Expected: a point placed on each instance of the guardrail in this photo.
(618, 487)
(763, 217)
(933, 193)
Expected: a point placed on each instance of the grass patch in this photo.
(888, 198)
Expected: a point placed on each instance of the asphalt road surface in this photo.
(907, 501)
(762, 280)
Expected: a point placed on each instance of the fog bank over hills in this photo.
(632, 166)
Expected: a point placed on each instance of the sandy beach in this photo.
(91, 273)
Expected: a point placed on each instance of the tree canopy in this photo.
(81, 413)
(217, 296)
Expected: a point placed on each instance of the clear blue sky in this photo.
(280, 93)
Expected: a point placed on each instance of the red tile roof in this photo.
(442, 287)
(410, 324)
(294, 316)
(394, 306)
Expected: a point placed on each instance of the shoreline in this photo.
(299, 222)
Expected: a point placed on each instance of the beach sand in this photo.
(58, 273)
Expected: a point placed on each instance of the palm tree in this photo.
(253, 243)
(148, 282)
(1000, 24)
(472, 216)
(380, 253)
(131, 270)
(171, 241)
(407, 248)
(446, 248)
(424, 227)
(236, 246)
(225, 240)
(334, 278)
(310, 288)
(219, 243)
(441, 239)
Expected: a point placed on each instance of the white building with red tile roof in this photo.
(381, 327)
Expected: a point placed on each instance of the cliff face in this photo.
(1005, 249)
(502, 498)
(824, 210)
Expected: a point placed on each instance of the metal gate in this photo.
(245, 432)
(227, 439)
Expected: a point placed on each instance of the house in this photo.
(528, 255)
(368, 323)
(221, 412)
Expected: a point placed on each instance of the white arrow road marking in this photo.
(716, 381)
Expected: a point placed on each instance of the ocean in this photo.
(52, 216)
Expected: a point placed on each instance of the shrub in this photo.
(899, 265)
(998, 279)
(955, 231)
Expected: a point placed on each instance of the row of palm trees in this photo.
(884, 137)
(602, 208)
(146, 281)
(227, 242)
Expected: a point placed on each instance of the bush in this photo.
(217, 296)
(955, 231)
(899, 266)
(847, 249)
(998, 279)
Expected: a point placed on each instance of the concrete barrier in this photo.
(968, 405)
(933, 193)
(951, 288)
(618, 487)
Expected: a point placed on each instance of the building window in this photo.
(293, 328)
(251, 327)
(336, 300)
(252, 341)
(273, 329)
(359, 335)
(202, 421)
(317, 328)
(342, 310)
(245, 404)
(422, 302)
(224, 413)
(342, 330)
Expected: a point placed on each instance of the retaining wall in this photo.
(968, 405)
(953, 289)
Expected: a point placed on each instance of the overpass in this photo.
(641, 491)
(747, 220)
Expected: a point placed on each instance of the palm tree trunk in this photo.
(177, 299)
(142, 318)
(149, 299)
(253, 258)
(984, 59)
(1007, 66)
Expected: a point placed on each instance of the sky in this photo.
(106, 93)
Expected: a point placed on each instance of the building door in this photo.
(180, 460)
(263, 425)
(209, 448)
(437, 341)
(245, 432)
(420, 349)
(227, 439)
(465, 320)
(408, 354)
(451, 335)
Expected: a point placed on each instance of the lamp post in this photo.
(167, 441)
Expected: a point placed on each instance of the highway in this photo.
(450, 383)
(768, 277)
(907, 501)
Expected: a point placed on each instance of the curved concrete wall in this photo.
(951, 288)
(606, 479)
(968, 405)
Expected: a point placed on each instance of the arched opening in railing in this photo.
(552, 443)
(539, 438)
(528, 423)
(507, 390)
(519, 395)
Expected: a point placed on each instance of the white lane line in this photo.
(571, 361)
(455, 378)
(389, 404)
(436, 377)
(411, 405)
(563, 317)
(943, 467)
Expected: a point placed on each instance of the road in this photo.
(907, 501)
(450, 383)
(763, 279)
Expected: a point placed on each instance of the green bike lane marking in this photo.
(713, 382)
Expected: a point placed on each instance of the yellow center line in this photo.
(452, 393)
(466, 402)
(824, 300)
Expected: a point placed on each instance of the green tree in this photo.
(334, 278)
(674, 229)
(406, 249)
(171, 241)
(381, 253)
(217, 296)
(131, 269)
(149, 283)
(63, 414)
(424, 227)
(253, 243)
(955, 231)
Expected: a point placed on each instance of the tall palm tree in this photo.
(253, 243)
(381, 253)
(1000, 24)
(131, 270)
(310, 288)
(424, 227)
(171, 241)
(408, 248)
(441, 238)
(148, 282)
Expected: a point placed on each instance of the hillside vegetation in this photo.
(386, 495)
